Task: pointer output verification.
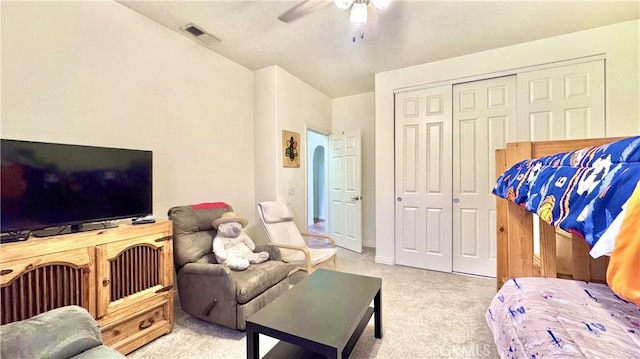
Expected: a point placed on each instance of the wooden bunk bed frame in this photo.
(561, 254)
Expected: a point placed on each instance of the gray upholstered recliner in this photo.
(211, 291)
(65, 332)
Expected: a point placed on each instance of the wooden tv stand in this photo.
(123, 276)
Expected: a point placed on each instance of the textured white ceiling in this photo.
(319, 47)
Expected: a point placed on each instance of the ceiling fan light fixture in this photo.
(358, 13)
(343, 4)
(380, 4)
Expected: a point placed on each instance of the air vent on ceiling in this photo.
(197, 33)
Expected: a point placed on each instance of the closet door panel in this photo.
(565, 102)
(561, 103)
(484, 119)
(423, 178)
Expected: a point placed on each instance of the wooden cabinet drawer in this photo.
(139, 325)
(123, 276)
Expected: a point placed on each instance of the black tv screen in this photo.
(46, 185)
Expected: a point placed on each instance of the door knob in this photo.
(356, 198)
(399, 199)
(456, 200)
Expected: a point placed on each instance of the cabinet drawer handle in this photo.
(6, 271)
(145, 324)
(106, 282)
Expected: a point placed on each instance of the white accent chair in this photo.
(277, 220)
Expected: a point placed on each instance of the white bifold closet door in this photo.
(562, 103)
(423, 178)
(446, 137)
(484, 119)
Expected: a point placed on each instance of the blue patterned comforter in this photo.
(582, 191)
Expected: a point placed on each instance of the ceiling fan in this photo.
(358, 14)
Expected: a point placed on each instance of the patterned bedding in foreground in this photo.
(549, 317)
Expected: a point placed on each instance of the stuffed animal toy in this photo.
(233, 247)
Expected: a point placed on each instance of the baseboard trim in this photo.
(385, 260)
(369, 244)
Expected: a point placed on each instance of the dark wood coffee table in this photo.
(320, 317)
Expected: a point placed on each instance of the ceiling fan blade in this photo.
(301, 9)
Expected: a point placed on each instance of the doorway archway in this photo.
(317, 191)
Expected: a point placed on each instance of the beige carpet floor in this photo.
(426, 314)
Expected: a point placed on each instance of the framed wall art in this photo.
(290, 149)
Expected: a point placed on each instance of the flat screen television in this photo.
(64, 188)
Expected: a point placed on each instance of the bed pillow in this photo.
(624, 265)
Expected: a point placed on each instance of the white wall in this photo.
(266, 140)
(320, 186)
(619, 43)
(358, 112)
(298, 106)
(97, 73)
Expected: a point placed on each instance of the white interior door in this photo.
(345, 189)
(562, 103)
(423, 178)
(484, 119)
